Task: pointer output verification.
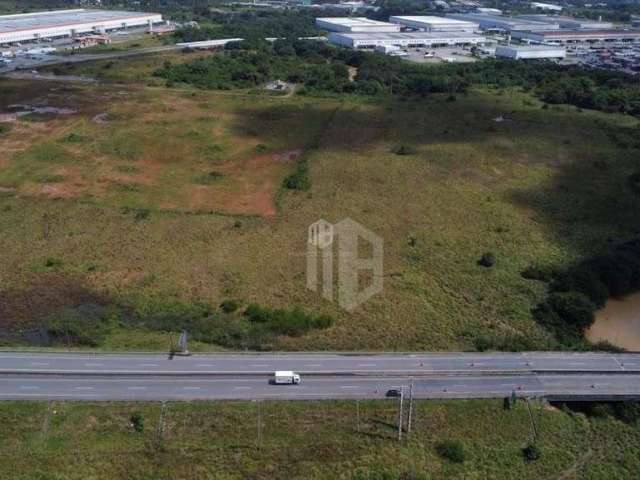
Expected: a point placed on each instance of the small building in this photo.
(435, 24)
(524, 52)
(355, 25)
(405, 39)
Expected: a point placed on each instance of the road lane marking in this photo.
(94, 364)
(259, 365)
(28, 387)
(366, 365)
(136, 388)
(241, 388)
(313, 365)
(84, 388)
(204, 365)
(148, 364)
(191, 388)
(40, 364)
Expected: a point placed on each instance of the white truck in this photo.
(285, 377)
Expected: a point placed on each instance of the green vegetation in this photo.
(321, 67)
(308, 440)
(137, 218)
(576, 294)
(452, 450)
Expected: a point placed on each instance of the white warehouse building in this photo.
(66, 23)
(435, 24)
(355, 25)
(524, 52)
(407, 39)
(498, 22)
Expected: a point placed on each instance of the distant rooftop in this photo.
(431, 19)
(63, 18)
(405, 35)
(352, 21)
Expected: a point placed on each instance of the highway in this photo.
(101, 377)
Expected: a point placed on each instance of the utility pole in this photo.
(400, 415)
(410, 408)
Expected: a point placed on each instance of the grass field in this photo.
(307, 440)
(172, 193)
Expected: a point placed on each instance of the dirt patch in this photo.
(251, 185)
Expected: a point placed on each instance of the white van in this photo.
(286, 377)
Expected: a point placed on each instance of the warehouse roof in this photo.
(352, 21)
(62, 18)
(406, 35)
(431, 19)
(585, 33)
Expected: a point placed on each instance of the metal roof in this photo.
(62, 18)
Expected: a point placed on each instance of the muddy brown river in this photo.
(618, 323)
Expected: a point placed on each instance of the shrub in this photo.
(487, 260)
(229, 306)
(209, 178)
(53, 262)
(404, 150)
(541, 274)
(137, 422)
(4, 128)
(574, 308)
(531, 452)
(583, 280)
(633, 181)
(87, 325)
(451, 450)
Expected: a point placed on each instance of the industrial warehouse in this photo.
(355, 25)
(435, 24)
(573, 36)
(529, 52)
(407, 39)
(507, 24)
(568, 22)
(68, 23)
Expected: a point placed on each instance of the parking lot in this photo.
(440, 55)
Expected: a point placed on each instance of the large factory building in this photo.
(498, 22)
(574, 36)
(435, 24)
(66, 23)
(355, 25)
(408, 39)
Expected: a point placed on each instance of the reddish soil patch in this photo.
(252, 185)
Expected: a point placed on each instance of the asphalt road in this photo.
(254, 387)
(242, 364)
(246, 376)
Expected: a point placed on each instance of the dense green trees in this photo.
(576, 294)
(322, 67)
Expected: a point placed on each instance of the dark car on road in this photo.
(393, 392)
